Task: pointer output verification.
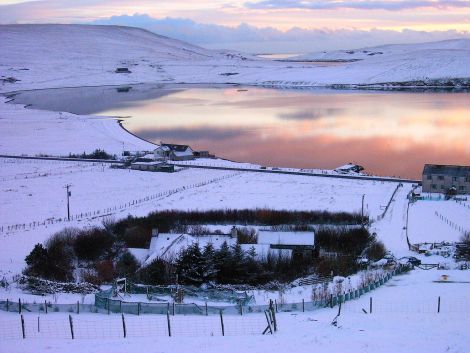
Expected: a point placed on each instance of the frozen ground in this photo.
(404, 319)
(455, 219)
(34, 132)
(28, 185)
(46, 56)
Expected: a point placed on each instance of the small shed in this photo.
(122, 70)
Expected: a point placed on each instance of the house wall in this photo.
(441, 183)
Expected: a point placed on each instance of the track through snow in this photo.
(391, 230)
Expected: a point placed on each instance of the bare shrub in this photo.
(376, 251)
(465, 237)
(247, 235)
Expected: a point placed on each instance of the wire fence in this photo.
(9, 229)
(104, 304)
(30, 326)
(415, 305)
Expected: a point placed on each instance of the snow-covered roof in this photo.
(286, 238)
(140, 254)
(147, 163)
(168, 245)
(188, 152)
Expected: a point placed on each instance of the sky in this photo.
(271, 26)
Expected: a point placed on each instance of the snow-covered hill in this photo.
(45, 56)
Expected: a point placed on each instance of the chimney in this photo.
(233, 232)
(154, 232)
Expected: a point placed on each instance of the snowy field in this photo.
(28, 185)
(455, 219)
(34, 132)
(411, 298)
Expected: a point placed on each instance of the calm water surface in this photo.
(390, 133)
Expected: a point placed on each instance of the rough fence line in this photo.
(105, 305)
(110, 210)
(28, 326)
(449, 222)
(389, 202)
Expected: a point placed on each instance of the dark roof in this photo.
(176, 148)
(452, 170)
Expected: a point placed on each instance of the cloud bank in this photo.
(391, 5)
(271, 40)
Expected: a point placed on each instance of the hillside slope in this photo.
(46, 56)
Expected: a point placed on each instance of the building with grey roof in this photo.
(445, 178)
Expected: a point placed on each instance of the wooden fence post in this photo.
(8, 305)
(39, 328)
(168, 323)
(206, 310)
(439, 304)
(222, 323)
(370, 305)
(107, 302)
(138, 308)
(45, 305)
(78, 307)
(123, 325)
(19, 306)
(303, 305)
(71, 326)
(22, 327)
(274, 320)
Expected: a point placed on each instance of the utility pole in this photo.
(68, 200)
(362, 210)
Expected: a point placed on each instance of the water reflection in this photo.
(390, 133)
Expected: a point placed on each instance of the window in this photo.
(441, 177)
(467, 179)
(429, 177)
(442, 187)
(454, 178)
(462, 188)
(434, 186)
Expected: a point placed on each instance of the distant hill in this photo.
(46, 56)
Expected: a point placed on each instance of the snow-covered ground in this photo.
(46, 56)
(404, 319)
(28, 185)
(444, 221)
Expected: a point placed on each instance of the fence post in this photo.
(138, 308)
(206, 309)
(168, 322)
(123, 325)
(45, 305)
(107, 304)
(174, 307)
(370, 305)
(71, 326)
(19, 306)
(39, 329)
(8, 305)
(275, 304)
(22, 327)
(241, 309)
(78, 307)
(303, 305)
(274, 320)
(438, 304)
(222, 323)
